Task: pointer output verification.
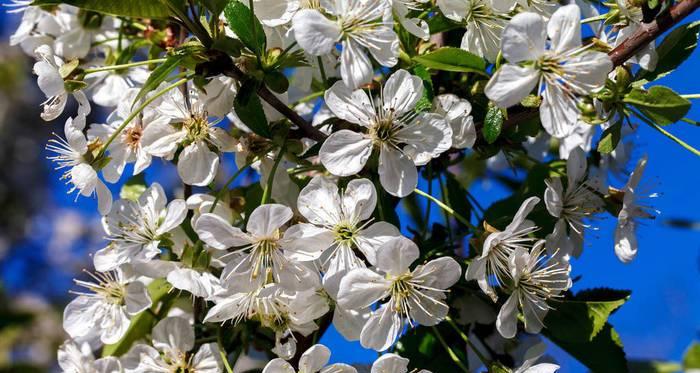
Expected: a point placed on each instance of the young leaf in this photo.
(691, 360)
(133, 188)
(492, 124)
(610, 138)
(158, 75)
(125, 8)
(675, 49)
(246, 26)
(453, 59)
(580, 319)
(250, 110)
(660, 104)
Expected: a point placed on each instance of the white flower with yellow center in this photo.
(404, 138)
(106, 309)
(406, 296)
(561, 68)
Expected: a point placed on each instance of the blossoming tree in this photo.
(340, 110)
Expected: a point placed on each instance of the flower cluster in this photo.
(336, 112)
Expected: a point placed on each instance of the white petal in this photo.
(197, 164)
(391, 362)
(511, 84)
(558, 111)
(319, 201)
(626, 241)
(218, 233)
(507, 321)
(345, 153)
(396, 255)
(397, 172)
(315, 33)
(355, 66)
(349, 323)
(523, 38)
(173, 334)
(136, 298)
(79, 316)
(576, 167)
(265, 220)
(359, 200)
(208, 359)
(360, 288)
(440, 273)
(314, 359)
(306, 242)
(104, 198)
(381, 330)
(278, 365)
(564, 28)
(348, 104)
(369, 240)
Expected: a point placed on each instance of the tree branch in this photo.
(648, 32)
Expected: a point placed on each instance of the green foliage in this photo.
(675, 49)
(579, 325)
(493, 123)
(246, 26)
(691, 360)
(426, 352)
(215, 6)
(660, 104)
(249, 109)
(276, 81)
(127, 8)
(426, 101)
(453, 59)
(159, 75)
(610, 138)
(142, 323)
(133, 188)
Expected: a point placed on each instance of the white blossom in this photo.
(51, 83)
(313, 360)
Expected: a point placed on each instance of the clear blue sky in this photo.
(663, 314)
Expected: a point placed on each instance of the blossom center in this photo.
(197, 128)
(132, 136)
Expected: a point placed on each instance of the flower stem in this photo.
(466, 340)
(693, 96)
(124, 66)
(137, 111)
(668, 134)
(595, 18)
(224, 188)
(271, 177)
(452, 354)
(448, 209)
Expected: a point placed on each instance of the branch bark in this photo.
(648, 32)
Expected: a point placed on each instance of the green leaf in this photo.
(125, 8)
(249, 109)
(675, 49)
(439, 23)
(277, 81)
(215, 6)
(133, 188)
(580, 319)
(142, 323)
(159, 75)
(610, 138)
(246, 26)
(426, 352)
(426, 101)
(660, 104)
(493, 122)
(691, 360)
(453, 59)
(602, 354)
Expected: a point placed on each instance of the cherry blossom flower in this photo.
(484, 21)
(562, 72)
(105, 311)
(313, 360)
(392, 363)
(173, 350)
(405, 139)
(416, 296)
(457, 112)
(51, 83)
(74, 358)
(361, 26)
(136, 229)
(259, 256)
(77, 156)
(491, 268)
(197, 163)
(339, 223)
(633, 209)
(578, 202)
(536, 278)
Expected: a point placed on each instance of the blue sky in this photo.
(663, 315)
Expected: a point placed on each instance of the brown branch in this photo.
(650, 31)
